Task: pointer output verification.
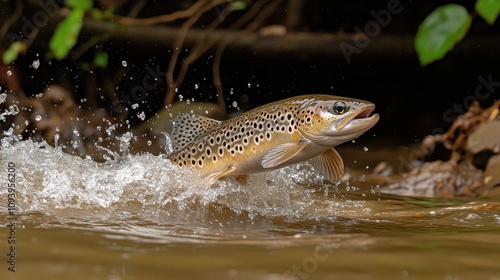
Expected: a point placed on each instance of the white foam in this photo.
(145, 186)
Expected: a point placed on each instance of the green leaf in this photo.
(13, 52)
(239, 5)
(79, 4)
(101, 59)
(440, 31)
(66, 34)
(488, 9)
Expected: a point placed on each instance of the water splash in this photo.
(145, 186)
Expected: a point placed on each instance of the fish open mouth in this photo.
(363, 116)
(365, 113)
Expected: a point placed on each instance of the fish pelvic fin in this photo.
(329, 164)
(219, 175)
(281, 154)
(190, 127)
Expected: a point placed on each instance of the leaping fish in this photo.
(272, 136)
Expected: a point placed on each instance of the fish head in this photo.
(334, 120)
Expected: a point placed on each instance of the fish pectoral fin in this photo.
(281, 154)
(219, 175)
(329, 164)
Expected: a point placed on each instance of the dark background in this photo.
(411, 99)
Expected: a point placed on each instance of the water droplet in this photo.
(353, 141)
(367, 167)
(196, 86)
(141, 116)
(235, 104)
(365, 149)
(249, 85)
(149, 143)
(9, 73)
(38, 118)
(135, 106)
(124, 63)
(36, 64)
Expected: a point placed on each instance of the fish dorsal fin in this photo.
(190, 127)
(329, 164)
(281, 154)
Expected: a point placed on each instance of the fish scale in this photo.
(246, 133)
(249, 142)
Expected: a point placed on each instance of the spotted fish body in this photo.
(272, 136)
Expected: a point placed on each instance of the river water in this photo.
(141, 217)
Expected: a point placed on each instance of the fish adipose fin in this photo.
(190, 127)
(329, 164)
(281, 154)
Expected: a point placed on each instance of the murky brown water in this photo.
(141, 217)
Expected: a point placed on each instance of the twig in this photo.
(163, 18)
(200, 48)
(177, 46)
(136, 9)
(12, 19)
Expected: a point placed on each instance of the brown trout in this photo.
(272, 136)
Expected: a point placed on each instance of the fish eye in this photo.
(339, 107)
